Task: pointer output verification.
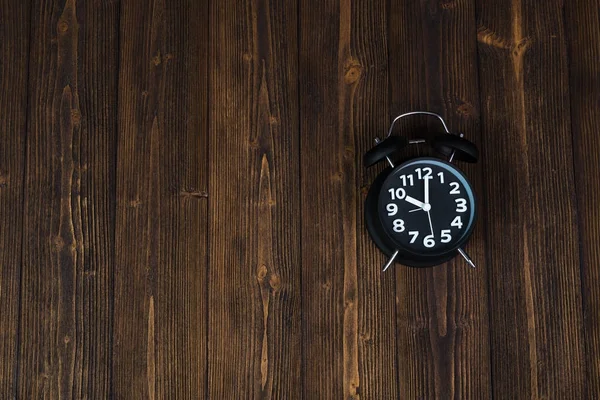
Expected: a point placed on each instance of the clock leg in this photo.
(466, 257)
(391, 260)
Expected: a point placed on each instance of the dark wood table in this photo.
(181, 199)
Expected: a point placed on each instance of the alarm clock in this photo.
(421, 212)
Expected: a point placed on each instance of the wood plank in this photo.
(67, 256)
(161, 221)
(582, 18)
(535, 289)
(363, 111)
(348, 304)
(254, 291)
(328, 225)
(14, 51)
(443, 346)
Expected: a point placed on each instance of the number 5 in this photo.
(446, 237)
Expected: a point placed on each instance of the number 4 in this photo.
(457, 222)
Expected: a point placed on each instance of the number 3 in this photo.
(461, 205)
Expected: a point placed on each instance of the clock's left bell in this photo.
(384, 149)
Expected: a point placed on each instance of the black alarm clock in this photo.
(421, 212)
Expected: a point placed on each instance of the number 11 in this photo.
(410, 179)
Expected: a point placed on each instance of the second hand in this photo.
(430, 224)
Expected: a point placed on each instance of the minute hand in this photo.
(414, 201)
(426, 195)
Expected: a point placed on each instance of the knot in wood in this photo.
(353, 72)
(134, 203)
(76, 116)
(3, 181)
(447, 5)
(58, 242)
(63, 26)
(275, 282)
(261, 273)
(466, 109)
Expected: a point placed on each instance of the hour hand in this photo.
(415, 202)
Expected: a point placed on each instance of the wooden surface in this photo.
(181, 199)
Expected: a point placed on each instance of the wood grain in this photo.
(254, 291)
(67, 256)
(329, 273)
(442, 328)
(364, 113)
(535, 288)
(160, 305)
(181, 199)
(582, 19)
(14, 53)
(348, 304)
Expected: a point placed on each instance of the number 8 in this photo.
(398, 225)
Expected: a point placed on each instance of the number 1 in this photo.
(441, 175)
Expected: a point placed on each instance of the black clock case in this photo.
(386, 244)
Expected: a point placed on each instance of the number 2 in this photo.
(455, 187)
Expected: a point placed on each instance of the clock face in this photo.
(427, 207)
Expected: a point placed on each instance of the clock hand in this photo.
(416, 209)
(415, 202)
(426, 195)
(430, 224)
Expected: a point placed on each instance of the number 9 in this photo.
(392, 209)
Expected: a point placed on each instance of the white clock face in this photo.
(427, 207)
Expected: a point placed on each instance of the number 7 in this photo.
(414, 234)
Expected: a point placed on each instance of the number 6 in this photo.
(428, 241)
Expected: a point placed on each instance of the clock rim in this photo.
(387, 244)
(465, 235)
(382, 240)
